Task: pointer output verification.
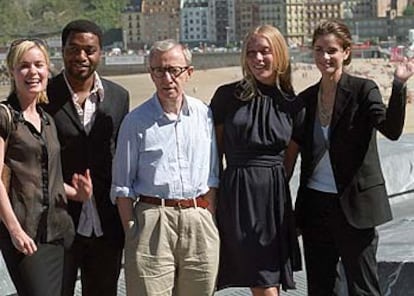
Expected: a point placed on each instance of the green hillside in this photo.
(43, 18)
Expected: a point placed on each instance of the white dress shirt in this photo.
(163, 156)
(89, 222)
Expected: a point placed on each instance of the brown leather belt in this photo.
(180, 203)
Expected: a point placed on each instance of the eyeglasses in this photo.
(37, 41)
(176, 71)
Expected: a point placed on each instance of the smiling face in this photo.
(260, 59)
(81, 56)
(30, 73)
(329, 54)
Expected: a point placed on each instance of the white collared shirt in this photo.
(170, 157)
(89, 221)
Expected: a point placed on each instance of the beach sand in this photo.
(203, 83)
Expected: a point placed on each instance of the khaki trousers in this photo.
(171, 251)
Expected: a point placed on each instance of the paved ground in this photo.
(402, 208)
(203, 84)
(299, 277)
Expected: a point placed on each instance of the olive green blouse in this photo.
(36, 192)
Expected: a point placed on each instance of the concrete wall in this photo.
(200, 61)
(207, 61)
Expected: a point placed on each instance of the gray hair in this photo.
(166, 45)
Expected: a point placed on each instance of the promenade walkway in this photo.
(397, 167)
(300, 291)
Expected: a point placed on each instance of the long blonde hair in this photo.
(281, 62)
(16, 51)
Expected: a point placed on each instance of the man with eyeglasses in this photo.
(164, 177)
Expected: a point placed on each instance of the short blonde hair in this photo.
(16, 51)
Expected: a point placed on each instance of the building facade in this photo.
(131, 27)
(194, 22)
(225, 22)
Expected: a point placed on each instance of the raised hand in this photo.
(404, 69)
(82, 185)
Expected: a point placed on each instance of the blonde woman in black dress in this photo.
(255, 119)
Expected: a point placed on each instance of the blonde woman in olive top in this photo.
(35, 224)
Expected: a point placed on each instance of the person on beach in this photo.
(342, 195)
(164, 180)
(88, 110)
(36, 226)
(255, 119)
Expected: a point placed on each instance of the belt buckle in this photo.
(179, 205)
(186, 203)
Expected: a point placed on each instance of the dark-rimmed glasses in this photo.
(175, 71)
(37, 41)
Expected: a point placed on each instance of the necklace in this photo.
(325, 108)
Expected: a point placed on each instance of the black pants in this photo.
(36, 275)
(99, 261)
(327, 236)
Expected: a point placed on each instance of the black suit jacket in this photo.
(94, 151)
(358, 113)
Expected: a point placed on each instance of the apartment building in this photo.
(225, 22)
(160, 20)
(391, 8)
(316, 11)
(296, 22)
(131, 27)
(149, 20)
(195, 22)
(222, 13)
(246, 16)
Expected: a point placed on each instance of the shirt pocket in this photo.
(150, 156)
(151, 150)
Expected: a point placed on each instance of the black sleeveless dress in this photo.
(259, 246)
